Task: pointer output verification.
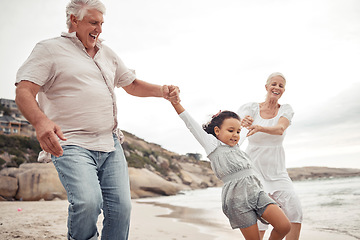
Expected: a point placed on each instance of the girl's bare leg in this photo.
(294, 233)
(277, 218)
(251, 233)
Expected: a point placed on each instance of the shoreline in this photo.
(218, 232)
(153, 220)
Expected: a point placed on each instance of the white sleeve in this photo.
(38, 67)
(207, 141)
(288, 112)
(243, 134)
(247, 109)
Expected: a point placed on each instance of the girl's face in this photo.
(276, 87)
(229, 131)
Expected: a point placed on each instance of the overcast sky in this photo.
(220, 53)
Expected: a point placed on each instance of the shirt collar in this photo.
(75, 39)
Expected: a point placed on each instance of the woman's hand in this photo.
(247, 121)
(278, 129)
(254, 129)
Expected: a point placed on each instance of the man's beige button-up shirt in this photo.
(77, 91)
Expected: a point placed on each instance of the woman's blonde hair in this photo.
(274, 75)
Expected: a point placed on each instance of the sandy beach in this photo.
(150, 221)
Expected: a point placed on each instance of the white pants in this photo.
(289, 202)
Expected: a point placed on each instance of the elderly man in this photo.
(75, 119)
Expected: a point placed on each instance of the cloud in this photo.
(329, 134)
(219, 55)
(343, 109)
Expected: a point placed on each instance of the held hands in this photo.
(171, 93)
(47, 133)
(174, 98)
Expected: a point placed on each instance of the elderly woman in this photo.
(267, 123)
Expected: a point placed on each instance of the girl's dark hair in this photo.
(217, 120)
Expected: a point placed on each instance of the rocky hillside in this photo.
(309, 173)
(153, 171)
(156, 171)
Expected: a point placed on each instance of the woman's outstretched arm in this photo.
(278, 129)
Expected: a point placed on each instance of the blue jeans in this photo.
(95, 181)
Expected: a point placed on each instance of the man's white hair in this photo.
(79, 8)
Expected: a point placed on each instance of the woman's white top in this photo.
(266, 150)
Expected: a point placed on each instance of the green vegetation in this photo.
(21, 149)
(137, 161)
(2, 161)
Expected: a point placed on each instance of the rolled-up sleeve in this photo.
(123, 75)
(126, 78)
(38, 67)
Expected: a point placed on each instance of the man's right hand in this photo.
(47, 133)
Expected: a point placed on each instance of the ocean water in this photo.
(331, 205)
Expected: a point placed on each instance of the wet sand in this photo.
(47, 220)
(150, 221)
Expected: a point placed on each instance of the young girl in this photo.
(243, 200)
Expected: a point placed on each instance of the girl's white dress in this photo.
(242, 191)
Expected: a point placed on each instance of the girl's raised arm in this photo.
(178, 107)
